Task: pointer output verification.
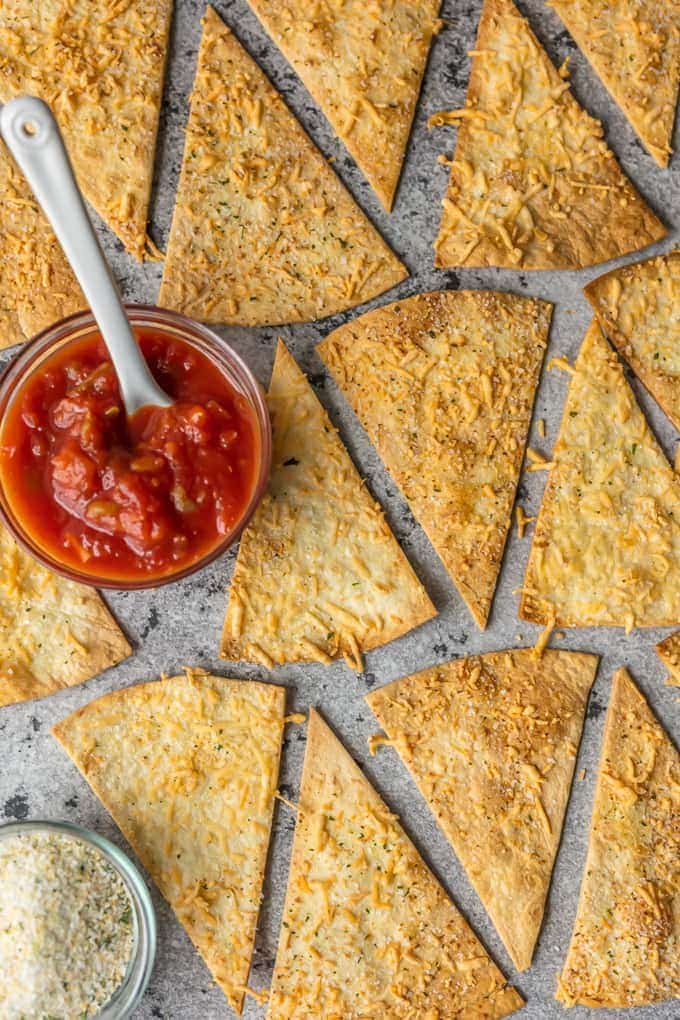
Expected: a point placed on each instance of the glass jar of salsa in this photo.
(135, 502)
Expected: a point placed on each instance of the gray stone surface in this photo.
(181, 623)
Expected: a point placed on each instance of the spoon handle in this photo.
(33, 137)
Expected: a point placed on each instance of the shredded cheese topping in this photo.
(100, 67)
(263, 231)
(533, 184)
(444, 385)
(318, 574)
(606, 548)
(634, 45)
(624, 949)
(363, 62)
(188, 767)
(367, 930)
(491, 742)
(638, 308)
(53, 633)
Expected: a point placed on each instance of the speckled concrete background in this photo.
(181, 624)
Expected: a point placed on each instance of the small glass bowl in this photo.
(196, 335)
(130, 992)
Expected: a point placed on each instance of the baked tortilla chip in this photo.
(624, 949)
(668, 651)
(318, 573)
(606, 549)
(634, 45)
(444, 385)
(53, 633)
(367, 929)
(491, 742)
(188, 767)
(37, 286)
(263, 230)
(533, 184)
(100, 67)
(363, 63)
(638, 307)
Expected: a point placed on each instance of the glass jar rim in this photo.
(195, 333)
(131, 990)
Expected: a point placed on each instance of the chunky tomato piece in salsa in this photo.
(128, 498)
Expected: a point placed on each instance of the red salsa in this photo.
(128, 499)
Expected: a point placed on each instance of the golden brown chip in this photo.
(668, 651)
(634, 45)
(491, 742)
(624, 949)
(37, 287)
(367, 929)
(638, 307)
(533, 184)
(444, 385)
(363, 63)
(100, 67)
(606, 548)
(53, 633)
(318, 573)
(263, 231)
(188, 767)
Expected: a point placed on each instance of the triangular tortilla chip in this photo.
(533, 184)
(318, 573)
(188, 767)
(100, 67)
(53, 633)
(37, 286)
(606, 549)
(634, 45)
(444, 385)
(363, 64)
(668, 651)
(491, 742)
(367, 929)
(263, 230)
(624, 949)
(638, 307)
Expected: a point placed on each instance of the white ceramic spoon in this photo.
(33, 137)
